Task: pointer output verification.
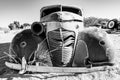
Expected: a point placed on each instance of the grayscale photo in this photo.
(59, 39)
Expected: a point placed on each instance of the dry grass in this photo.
(3, 58)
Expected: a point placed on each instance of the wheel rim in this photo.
(111, 24)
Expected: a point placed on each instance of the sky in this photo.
(28, 11)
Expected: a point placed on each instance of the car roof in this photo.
(55, 8)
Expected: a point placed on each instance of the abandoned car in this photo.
(61, 35)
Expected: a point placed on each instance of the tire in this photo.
(112, 24)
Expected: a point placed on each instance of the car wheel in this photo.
(112, 24)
